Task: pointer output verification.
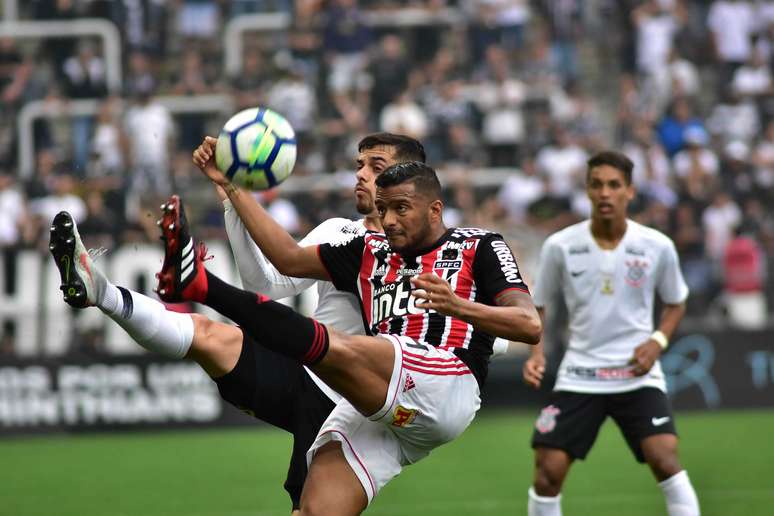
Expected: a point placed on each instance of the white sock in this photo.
(543, 505)
(147, 321)
(680, 497)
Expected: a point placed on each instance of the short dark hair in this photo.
(617, 160)
(406, 147)
(423, 176)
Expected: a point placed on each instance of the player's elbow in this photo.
(532, 329)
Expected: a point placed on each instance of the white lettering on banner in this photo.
(106, 393)
(507, 262)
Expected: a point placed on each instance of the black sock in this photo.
(271, 324)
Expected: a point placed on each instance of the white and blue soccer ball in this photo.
(256, 149)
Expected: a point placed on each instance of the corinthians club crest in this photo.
(546, 421)
(635, 274)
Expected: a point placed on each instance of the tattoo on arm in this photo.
(513, 298)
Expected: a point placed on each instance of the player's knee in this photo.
(549, 475)
(216, 346)
(665, 465)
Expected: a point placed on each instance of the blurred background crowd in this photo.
(510, 98)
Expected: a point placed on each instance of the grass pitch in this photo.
(729, 456)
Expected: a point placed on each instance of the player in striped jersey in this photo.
(404, 396)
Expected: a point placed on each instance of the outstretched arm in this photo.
(279, 247)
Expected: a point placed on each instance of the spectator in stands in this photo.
(63, 197)
(652, 175)
(696, 166)
(84, 78)
(719, 220)
(763, 158)
(198, 19)
(734, 119)
(15, 227)
(744, 277)
(656, 23)
(521, 190)
(565, 27)
(149, 129)
(193, 78)
(346, 39)
(732, 24)
(249, 83)
(389, 70)
(563, 163)
(671, 129)
(295, 98)
(404, 116)
(499, 98)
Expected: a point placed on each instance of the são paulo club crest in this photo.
(635, 275)
(546, 421)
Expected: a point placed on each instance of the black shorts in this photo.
(277, 390)
(571, 420)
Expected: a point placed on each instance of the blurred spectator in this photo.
(563, 163)
(732, 23)
(404, 116)
(499, 97)
(149, 129)
(108, 148)
(345, 41)
(719, 220)
(734, 119)
(84, 78)
(744, 277)
(671, 129)
(563, 18)
(520, 190)
(652, 170)
(249, 83)
(192, 79)
(63, 196)
(688, 236)
(281, 210)
(656, 24)
(14, 219)
(101, 225)
(389, 70)
(754, 77)
(696, 166)
(295, 98)
(763, 158)
(737, 173)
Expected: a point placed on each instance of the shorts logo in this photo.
(547, 419)
(409, 383)
(403, 416)
(635, 276)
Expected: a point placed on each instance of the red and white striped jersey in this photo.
(478, 265)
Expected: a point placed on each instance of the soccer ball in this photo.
(256, 149)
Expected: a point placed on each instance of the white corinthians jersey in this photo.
(336, 308)
(609, 296)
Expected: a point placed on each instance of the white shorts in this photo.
(432, 398)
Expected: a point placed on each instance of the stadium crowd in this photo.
(532, 87)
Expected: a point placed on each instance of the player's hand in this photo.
(436, 294)
(645, 355)
(533, 370)
(204, 158)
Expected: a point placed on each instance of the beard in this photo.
(364, 206)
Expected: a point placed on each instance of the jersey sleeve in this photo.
(549, 273)
(257, 272)
(342, 261)
(495, 269)
(671, 285)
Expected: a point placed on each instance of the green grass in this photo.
(729, 456)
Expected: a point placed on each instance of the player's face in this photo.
(371, 163)
(406, 216)
(608, 192)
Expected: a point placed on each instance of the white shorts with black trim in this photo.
(432, 398)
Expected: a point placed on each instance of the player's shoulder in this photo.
(462, 234)
(575, 236)
(649, 237)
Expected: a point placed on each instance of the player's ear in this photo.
(436, 210)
